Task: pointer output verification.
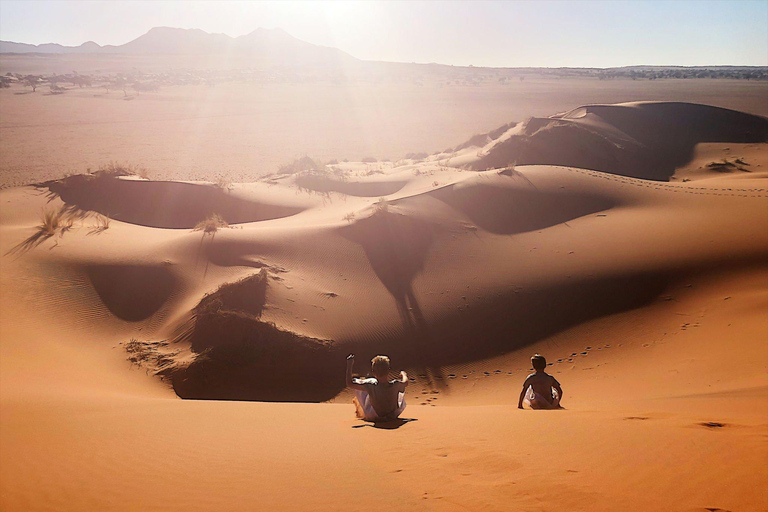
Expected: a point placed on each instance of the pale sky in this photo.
(482, 33)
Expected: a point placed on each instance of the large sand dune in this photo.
(611, 246)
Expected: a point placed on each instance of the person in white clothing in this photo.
(377, 398)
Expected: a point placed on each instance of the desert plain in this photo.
(184, 272)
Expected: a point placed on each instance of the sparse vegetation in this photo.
(149, 354)
(727, 166)
(114, 169)
(349, 217)
(369, 160)
(381, 206)
(52, 220)
(102, 224)
(223, 182)
(299, 165)
(138, 352)
(211, 225)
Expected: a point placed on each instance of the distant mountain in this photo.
(272, 44)
(11, 47)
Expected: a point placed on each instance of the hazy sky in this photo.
(483, 33)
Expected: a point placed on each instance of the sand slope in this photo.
(647, 296)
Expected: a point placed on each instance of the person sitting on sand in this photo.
(377, 398)
(540, 389)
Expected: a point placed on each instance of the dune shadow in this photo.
(131, 292)
(506, 210)
(160, 204)
(322, 183)
(29, 243)
(396, 246)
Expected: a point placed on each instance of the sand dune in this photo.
(645, 288)
(642, 140)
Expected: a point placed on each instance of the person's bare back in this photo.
(541, 385)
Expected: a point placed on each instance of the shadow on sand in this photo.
(387, 425)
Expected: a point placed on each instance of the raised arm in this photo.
(350, 381)
(522, 393)
(404, 379)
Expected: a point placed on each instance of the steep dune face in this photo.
(643, 140)
(132, 292)
(508, 209)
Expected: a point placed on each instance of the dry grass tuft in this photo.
(137, 352)
(102, 224)
(52, 220)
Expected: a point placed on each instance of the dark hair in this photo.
(539, 362)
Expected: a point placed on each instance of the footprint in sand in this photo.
(712, 424)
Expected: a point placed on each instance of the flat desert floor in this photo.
(625, 242)
(245, 130)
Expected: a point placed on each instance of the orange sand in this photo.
(648, 298)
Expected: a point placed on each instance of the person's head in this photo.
(538, 362)
(380, 367)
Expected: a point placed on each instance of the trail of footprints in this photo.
(658, 185)
(430, 396)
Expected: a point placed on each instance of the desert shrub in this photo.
(114, 169)
(349, 217)
(381, 206)
(299, 165)
(223, 182)
(212, 224)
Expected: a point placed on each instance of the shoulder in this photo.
(554, 380)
